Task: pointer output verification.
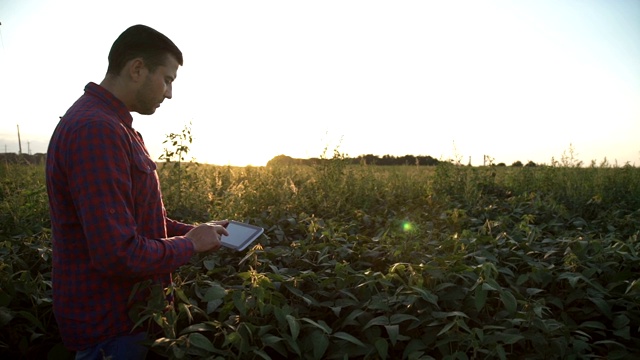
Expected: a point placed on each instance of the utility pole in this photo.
(19, 142)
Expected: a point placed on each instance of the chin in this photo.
(147, 112)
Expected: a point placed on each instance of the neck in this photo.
(116, 86)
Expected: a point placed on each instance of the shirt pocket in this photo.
(143, 163)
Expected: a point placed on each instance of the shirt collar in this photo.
(110, 100)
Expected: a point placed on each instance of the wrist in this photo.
(193, 243)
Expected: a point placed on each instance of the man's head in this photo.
(140, 41)
(143, 64)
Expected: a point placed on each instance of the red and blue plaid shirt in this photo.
(109, 225)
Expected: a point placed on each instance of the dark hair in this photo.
(141, 41)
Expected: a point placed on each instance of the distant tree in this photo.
(408, 160)
(428, 160)
(501, 164)
(281, 160)
(531, 164)
(368, 159)
(517, 164)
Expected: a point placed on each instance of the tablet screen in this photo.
(240, 235)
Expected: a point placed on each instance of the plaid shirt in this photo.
(109, 225)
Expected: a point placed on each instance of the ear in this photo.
(137, 69)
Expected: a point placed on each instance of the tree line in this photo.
(13, 158)
(371, 159)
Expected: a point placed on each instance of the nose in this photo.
(168, 92)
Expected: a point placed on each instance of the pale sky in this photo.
(515, 80)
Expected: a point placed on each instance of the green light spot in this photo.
(407, 226)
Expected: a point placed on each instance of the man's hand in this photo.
(206, 237)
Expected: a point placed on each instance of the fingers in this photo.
(221, 230)
(223, 223)
(216, 232)
(206, 237)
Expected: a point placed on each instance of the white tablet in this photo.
(240, 235)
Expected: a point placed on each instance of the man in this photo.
(109, 225)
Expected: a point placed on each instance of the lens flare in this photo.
(407, 226)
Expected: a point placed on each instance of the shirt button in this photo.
(112, 211)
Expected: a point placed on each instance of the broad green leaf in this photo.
(462, 324)
(509, 301)
(443, 286)
(398, 318)
(201, 327)
(213, 305)
(506, 270)
(624, 333)
(275, 342)
(603, 305)
(214, 293)
(379, 303)
(447, 327)
(269, 339)
(487, 287)
(280, 314)
(349, 294)
(348, 337)
(320, 325)
(293, 344)
(262, 354)
(382, 346)
(502, 355)
(178, 352)
(239, 302)
(533, 291)
(141, 320)
(320, 343)
(426, 295)
(307, 298)
(620, 321)
(571, 277)
(32, 319)
(200, 341)
(510, 339)
(414, 346)
(233, 338)
(380, 320)
(294, 326)
(6, 315)
(579, 346)
(180, 294)
(209, 264)
(393, 331)
(350, 319)
(442, 315)
(522, 279)
(491, 284)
